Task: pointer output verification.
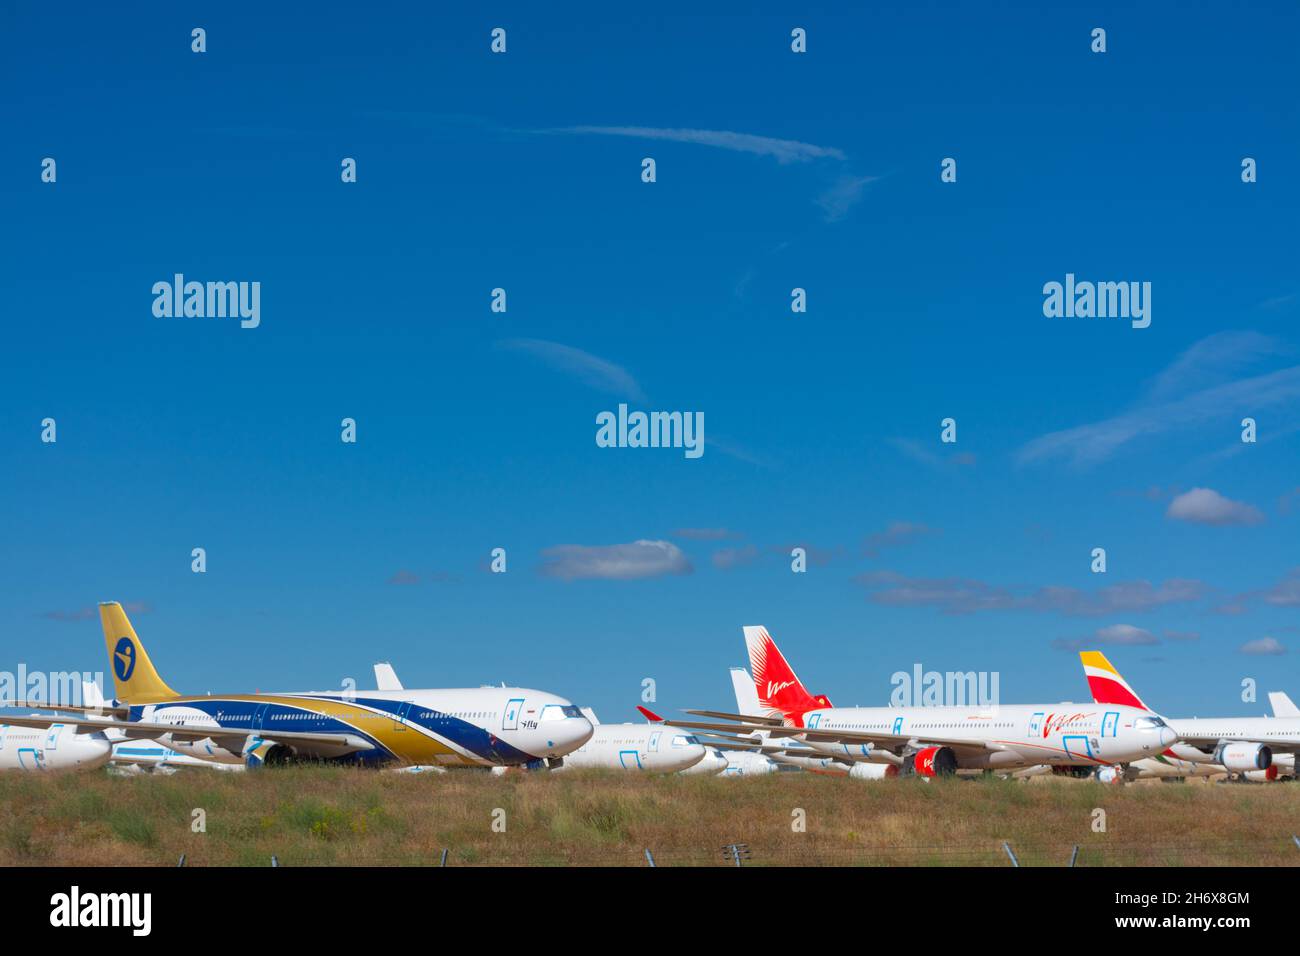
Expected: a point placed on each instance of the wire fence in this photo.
(1284, 851)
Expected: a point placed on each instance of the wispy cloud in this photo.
(706, 534)
(1207, 506)
(954, 595)
(926, 455)
(842, 195)
(896, 534)
(615, 562)
(1122, 635)
(1263, 647)
(1190, 392)
(1286, 593)
(782, 150)
(91, 613)
(591, 370)
(728, 559)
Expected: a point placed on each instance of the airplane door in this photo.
(654, 741)
(1076, 745)
(1035, 722)
(400, 716)
(258, 716)
(510, 716)
(52, 738)
(1110, 723)
(629, 760)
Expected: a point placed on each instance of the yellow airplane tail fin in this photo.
(134, 677)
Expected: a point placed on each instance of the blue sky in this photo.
(476, 429)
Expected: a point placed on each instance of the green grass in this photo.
(323, 815)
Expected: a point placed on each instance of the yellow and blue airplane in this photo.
(478, 727)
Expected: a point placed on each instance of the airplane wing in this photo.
(1208, 743)
(319, 744)
(832, 735)
(743, 718)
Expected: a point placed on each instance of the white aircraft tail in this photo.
(746, 695)
(1282, 706)
(590, 715)
(386, 677)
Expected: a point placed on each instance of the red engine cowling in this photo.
(932, 762)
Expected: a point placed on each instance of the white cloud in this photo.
(1263, 647)
(1207, 506)
(1125, 634)
(782, 150)
(1190, 392)
(843, 195)
(589, 369)
(615, 562)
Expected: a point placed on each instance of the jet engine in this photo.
(1241, 757)
(872, 771)
(1262, 776)
(931, 762)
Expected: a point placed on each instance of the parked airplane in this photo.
(485, 726)
(55, 746)
(941, 740)
(857, 760)
(143, 754)
(714, 763)
(649, 746)
(1240, 745)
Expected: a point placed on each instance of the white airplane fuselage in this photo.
(54, 748)
(648, 747)
(1019, 735)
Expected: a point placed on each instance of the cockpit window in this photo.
(684, 740)
(1147, 723)
(559, 712)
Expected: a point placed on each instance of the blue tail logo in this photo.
(124, 659)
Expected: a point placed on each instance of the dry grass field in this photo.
(330, 816)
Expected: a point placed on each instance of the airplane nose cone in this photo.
(576, 732)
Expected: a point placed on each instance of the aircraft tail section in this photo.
(134, 676)
(1282, 705)
(1105, 682)
(779, 690)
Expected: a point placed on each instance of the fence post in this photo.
(444, 857)
(1007, 846)
(182, 861)
(649, 857)
(1074, 856)
(274, 861)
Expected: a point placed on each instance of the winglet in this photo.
(650, 715)
(1106, 684)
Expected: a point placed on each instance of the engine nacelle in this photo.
(872, 771)
(1263, 776)
(931, 762)
(1241, 757)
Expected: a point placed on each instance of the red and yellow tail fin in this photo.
(1106, 684)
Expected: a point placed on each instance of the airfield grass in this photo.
(321, 815)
